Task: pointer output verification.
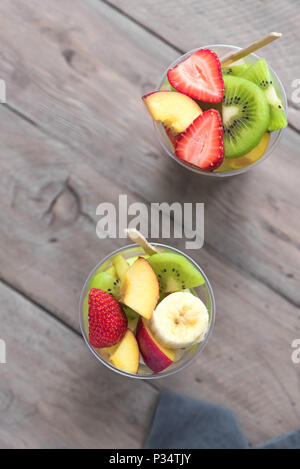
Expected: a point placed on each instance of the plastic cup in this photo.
(204, 292)
(221, 50)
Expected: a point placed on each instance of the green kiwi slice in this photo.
(245, 115)
(130, 313)
(175, 272)
(260, 74)
(235, 70)
(166, 86)
(106, 282)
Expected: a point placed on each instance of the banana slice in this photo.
(181, 319)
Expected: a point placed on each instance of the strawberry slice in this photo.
(107, 320)
(201, 144)
(199, 76)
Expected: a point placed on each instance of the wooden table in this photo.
(74, 133)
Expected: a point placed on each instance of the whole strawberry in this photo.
(107, 321)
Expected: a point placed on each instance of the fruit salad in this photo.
(143, 313)
(217, 119)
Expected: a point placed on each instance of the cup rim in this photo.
(167, 149)
(162, 374)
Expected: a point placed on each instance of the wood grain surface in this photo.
(52, 394)
(187, 25)
(74, 133)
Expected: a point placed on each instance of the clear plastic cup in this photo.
(221, 50)
(204, 292)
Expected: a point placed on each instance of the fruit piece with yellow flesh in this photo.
(126, 356)
(112, 271)
(140, 289)
(131, 260)
(175, 110)
(106, 352)
(231, 164)
(121, 266)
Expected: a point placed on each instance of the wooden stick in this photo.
(139, 239)
(236, 55)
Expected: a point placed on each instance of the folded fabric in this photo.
(181, 422)
(289, 440)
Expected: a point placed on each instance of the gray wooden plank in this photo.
(247, 364)
(189, 24)
(48, 192)
(82, 150)
(107, 124)
(51, 250)
(53, 394)
(293, 116)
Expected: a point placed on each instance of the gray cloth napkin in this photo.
(289, 440)
(181, 422)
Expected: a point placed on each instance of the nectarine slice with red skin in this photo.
(140, 288)
(172, 137)
(175, 110)
(156, 356)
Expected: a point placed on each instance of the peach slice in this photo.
(155, 355)
(106, 352)
(140, 288)
(126, 356)
(175, 110)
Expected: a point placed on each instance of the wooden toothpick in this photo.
(139, 239)
(236, 55)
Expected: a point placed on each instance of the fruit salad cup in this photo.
(218, 121)
(146, 316)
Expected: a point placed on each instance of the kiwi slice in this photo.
(245, 114)
(235, 70)
(85, 314)
(112, 271)
(130, 313)
(260, 74)
(106, 282)
(174, 272)
(166, 86)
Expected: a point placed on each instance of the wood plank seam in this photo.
(246, 384)
(39, 305)
(168, 43)
(56, 318)
(55, 388)
(212, 249)
(141, 25)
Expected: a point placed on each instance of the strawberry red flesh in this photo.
(199, 76)
(107, 321)
(202, 142)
